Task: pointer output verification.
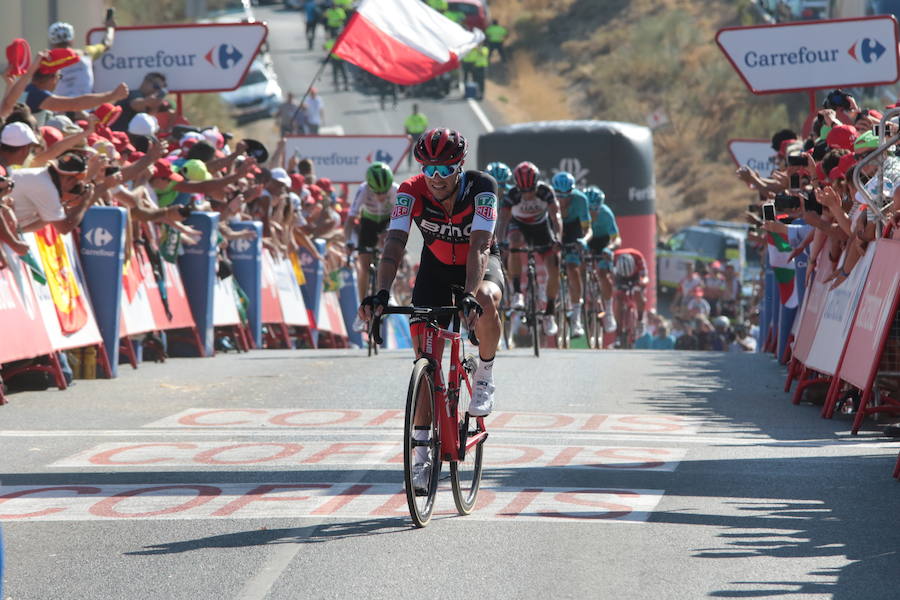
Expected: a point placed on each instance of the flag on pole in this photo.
(779, 250)
(403, 41)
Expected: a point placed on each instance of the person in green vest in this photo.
(335, 17)
(468, 62)
(415, 125)
(338, 68)
(438, 5)
(479, 67)
(495, 34)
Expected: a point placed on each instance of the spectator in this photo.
(16, 142)
(290, 118)
(743, 341)
(385, 89)
(315, 111)
(148, 98)
(686, 286)
(714, 287)
(696, 306)
(415, 125)
(313, 15)
(40, 95)
(707, 336)
(479, 68)
(687, 340)
(54, 194)
(339, 70)
(78, 78)
(335, 17)
(496, 36)
(9, 226)
(662, 340)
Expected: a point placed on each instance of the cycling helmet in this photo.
(440, 146)
(625, 265)
(721, 322)
(61, 32)
(595, 196)
(526, 175)
(563, 182)
(499, 171)
(379, 177)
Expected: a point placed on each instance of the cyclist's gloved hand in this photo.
(583, 243)
(370, 304)
(471, 310)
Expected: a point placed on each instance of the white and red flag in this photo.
(403, 41)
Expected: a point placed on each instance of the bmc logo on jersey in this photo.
(486, 206)
(401, 207)
(224, 56)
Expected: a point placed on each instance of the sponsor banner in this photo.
(270, 309)
(345, 158)
(168, 299)
(837, 317)
(154, 501)
(877, 309)
(72, 290)
(250, 418)
(395, 332)
(24, 334)
(790, 57)
(290, 298)
(246, 261)
(755, 154)
(198, 269)
(330, 318)
(225, 311)
(369, 454)
(211, 57)
(137, 309)
(813, 303)
(348, 294)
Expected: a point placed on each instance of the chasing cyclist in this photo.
(576, 218)
(603, 242)
(503, 175)
(630, 270)
(530, 214)
(367, 220)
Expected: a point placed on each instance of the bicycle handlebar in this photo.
(431, 313)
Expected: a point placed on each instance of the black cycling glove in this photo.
(469, 303)
(379, 299)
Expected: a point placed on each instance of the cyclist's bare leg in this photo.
(362, 273)
(606, 285)
(519, 260)
(551, 260)
(488, 328)
(640, 299)
(423, 406)
(575, 291)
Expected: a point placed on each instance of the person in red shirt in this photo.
(630, 272)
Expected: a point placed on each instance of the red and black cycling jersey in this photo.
(446, 234)
(533, 210)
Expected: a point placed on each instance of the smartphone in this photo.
(810, 203)
(768, 212)
(110, 14)
(876, 129)
(796, 160)
(795, 181)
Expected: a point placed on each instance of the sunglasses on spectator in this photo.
(442, 171)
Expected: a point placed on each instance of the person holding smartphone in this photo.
(148, 98)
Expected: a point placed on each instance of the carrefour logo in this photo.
(98, 236)
(241, 245)
(224, 56)
(380, 156)
(867, 50)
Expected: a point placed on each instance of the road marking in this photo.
(153, 501)
(370, 454)
(348, 419)
(479, 114)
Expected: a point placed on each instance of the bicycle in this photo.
(593, 308)
(373, 275)
(452, 435)
(627, 333)
(531, 311)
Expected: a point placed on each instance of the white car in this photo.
(258, 96)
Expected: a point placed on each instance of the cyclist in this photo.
(630, 271)
(367, 219)
(456, 211)
(503, 175)
(605, 237)
(530, 214)
(576, 229)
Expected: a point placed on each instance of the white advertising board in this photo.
(756, 154)
(792, 57)
(209, 57)
(345, 158)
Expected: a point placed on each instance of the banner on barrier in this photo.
(809, 318)
(60, 309)
(137, 310)
(293, 308)
(877, 308)
(271, 305)
(24, 334)
(225, 312)
(330, 318)
(837, 316)
(168, 300)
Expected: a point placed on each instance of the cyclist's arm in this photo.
(391, 257)
(555, 218)
(476, 261)
(615, 241)
(503, 222)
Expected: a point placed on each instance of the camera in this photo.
(796, 160)
(795, 181)
(768, 212)
(786, 202)
(837, 99)
(186, 210)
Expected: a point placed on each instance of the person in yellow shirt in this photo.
(479, 67)
(415, 125)
(468, 62)
(335, 17)
(495, 34)
(78, 79)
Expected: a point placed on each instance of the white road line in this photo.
(479, 114)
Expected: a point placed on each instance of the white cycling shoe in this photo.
(609, 323)
(421, 478)
(549, 324)
(482, 402)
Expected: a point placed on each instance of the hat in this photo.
(105, 147)
(17, 134)
(59, 58)
(255, 149)
(50, 134)
(64, 124)
(108, 113)
(201, 150)
(325, 184)
(214, 137)
(143, 124)
(782, 149)
(18, 57)
(71, 163)
(195, 170)
(60, 32)
(866, 141)
(842, 136)
(845, 163)
(281, 176)
(297, 182)
(715, 265)
(163, 170)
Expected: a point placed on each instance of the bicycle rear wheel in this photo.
(421, 505)
(532, 313)
(590, 311)
(373, 347)
(465, 474)
(563, 336)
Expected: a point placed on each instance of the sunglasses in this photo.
(442, 171)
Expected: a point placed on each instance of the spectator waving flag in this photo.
(403, 41)
(779, 251)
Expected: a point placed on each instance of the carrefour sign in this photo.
(345, 158)
(210, 57)
(756, 154)
(818, 54)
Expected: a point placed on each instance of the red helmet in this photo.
(526, 175)
(440, 146)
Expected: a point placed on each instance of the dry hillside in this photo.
(620, 60)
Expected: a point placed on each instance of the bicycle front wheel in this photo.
(563, 302)
(533, 312)
(421, 393)
(465, 474)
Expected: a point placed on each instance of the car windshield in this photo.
(467, 9)
(254, 76)
(702, 243)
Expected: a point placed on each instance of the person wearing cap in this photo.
(39, 94)
(17, 89)
(148, 98)
(16, 142)
(78, 78)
